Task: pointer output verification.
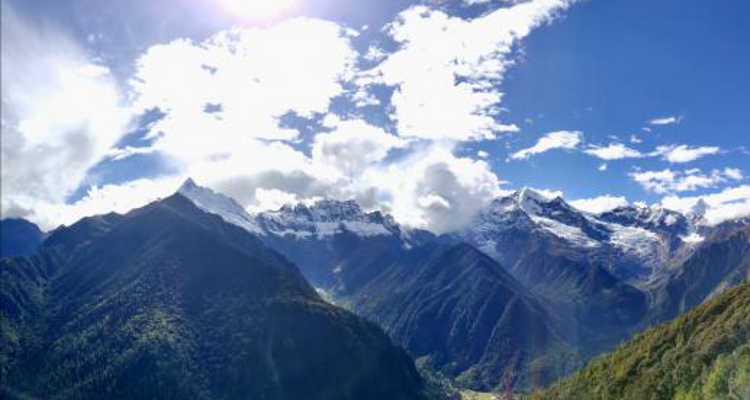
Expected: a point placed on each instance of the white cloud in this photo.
(446, 70)
(60, 112)
(483, 154)
(599, 204)
(254, 75)
(728, 204)
(613, 151)
(554, 140)
(223, 99)
(101, 200)
(733, 173)
(667, 120)
(272, 199)
(668, 181)
(353, 145)
(684, 153)
(635, 139)
(602, 167)
(549, 194)
(434, 189)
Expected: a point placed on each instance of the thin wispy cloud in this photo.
(61, 113)
(613, 151)
(672, 120)
(726, 204)
(684, 153)
(565, 140)
(599, 204)
(669, 181)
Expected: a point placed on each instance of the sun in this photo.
(257, 9)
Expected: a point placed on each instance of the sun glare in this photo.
(257, 9)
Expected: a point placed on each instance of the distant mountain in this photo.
(722, 261)
(324, 239)
(18, 237)
(702, 355)
(449, 304)
(461, 311)
(581, 265)
(586, 281)
(169, 302)
(632, 243)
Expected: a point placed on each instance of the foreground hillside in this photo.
(168, 302)
(702, 355)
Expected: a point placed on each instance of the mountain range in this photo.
(587, 280)
(528, 292)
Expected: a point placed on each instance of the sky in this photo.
(424, 109)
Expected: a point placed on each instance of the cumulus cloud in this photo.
(101, 200)
(446, 69)
(684, 153)
(253, 76)
(613, 151)
(434, 189)
(668, 181)
(733, 173)
(224, 100)
(353, 145)
(599, 204)
(60, 110)
(667, 120)
(728, 204)
(554, 140)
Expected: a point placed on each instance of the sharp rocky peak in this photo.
(698, 210)
(219, 204)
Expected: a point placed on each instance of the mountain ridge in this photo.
(170, 302)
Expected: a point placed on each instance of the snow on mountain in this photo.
(698, 211)
(326, 218)
(643, 238)
(216, 203)
(323, 219)
(636, 240)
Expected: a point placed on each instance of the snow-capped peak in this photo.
(325, 218)
(322, 219)
(698, 210)
(216, 203)
(530, 200)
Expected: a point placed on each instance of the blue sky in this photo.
(424, 109)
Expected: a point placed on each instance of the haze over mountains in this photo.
(199, 293)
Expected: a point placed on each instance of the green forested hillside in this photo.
(704, 354)
(462, 313)
(168, 302)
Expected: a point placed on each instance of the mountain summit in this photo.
(170, 302)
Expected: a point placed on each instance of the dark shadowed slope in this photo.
(168, 302)
(719, 263)
(461, 311)
(704, 354)
(18, 237)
